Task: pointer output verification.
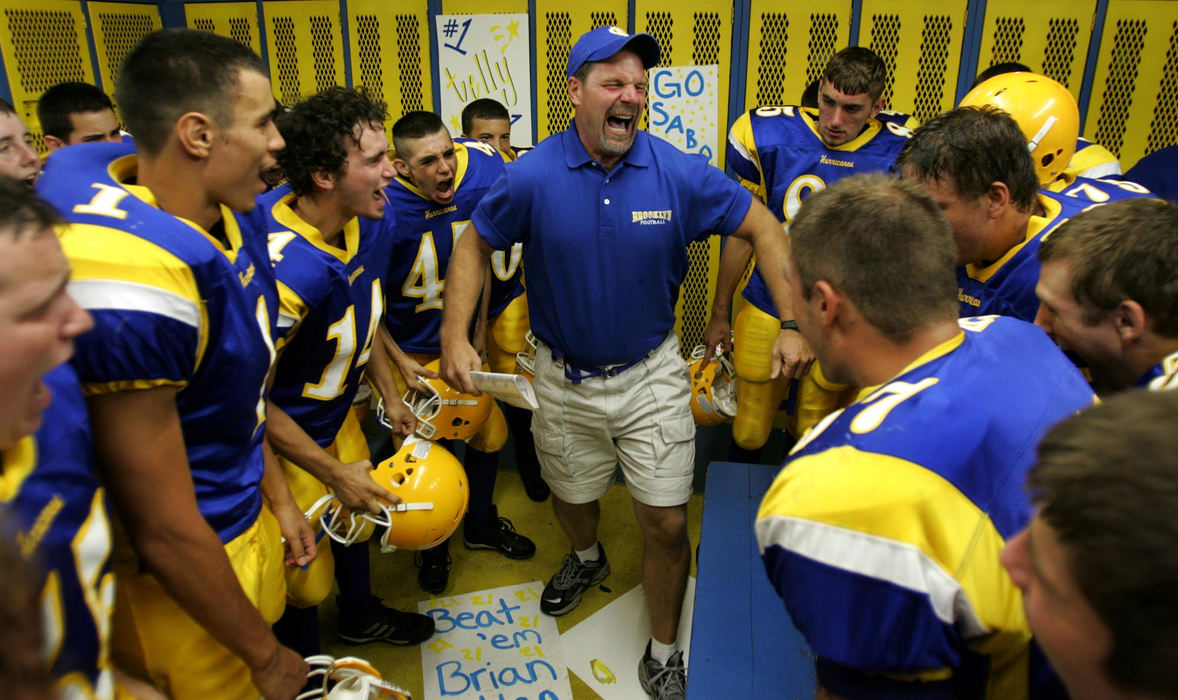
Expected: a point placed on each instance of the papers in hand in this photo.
(515, 389)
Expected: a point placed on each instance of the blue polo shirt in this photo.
(606, 252)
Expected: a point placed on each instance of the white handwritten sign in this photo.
(486, 56)
(683, 108)
(494, 645)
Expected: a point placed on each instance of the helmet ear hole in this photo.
(1045, 111)
(435, 488)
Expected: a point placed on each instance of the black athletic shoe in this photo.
(434, 568)
(385, 624)
(564, 590)
(497, 534)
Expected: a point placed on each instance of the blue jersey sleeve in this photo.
(149, 322)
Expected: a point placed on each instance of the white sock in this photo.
(591, 554)
(662, 652)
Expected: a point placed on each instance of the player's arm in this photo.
(380, 373)
(791, 354)
(297, 535)
(464, 281)
(350, 481)
(409, 368)
(734, 260)
(141, 457)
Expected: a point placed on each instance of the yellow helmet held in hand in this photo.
(434, 493)
(1046, 113)
(713, 387)
(444, 413)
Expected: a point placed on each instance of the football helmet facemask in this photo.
(444, 413)
(713, 386)
(347, 678)
(525, 360)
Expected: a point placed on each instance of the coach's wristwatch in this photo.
(790, 326)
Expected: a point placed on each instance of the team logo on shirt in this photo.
(651, 217)
(834, 161)
(29, 541)
(247, 276)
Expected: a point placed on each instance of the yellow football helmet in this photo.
(444, 413)
(434, 494)
(347, 678)
(525, 360)
(713, 387)
(1045, 111)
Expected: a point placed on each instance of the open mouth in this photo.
(271, 175)
(31, 180)
(619, 123)
(445, 189)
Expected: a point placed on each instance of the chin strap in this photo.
(387, 522)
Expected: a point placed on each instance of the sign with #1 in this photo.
(493, 645)
(683, 108)
(485, 56)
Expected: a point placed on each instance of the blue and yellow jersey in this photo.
(331, 301)
(1162, 376)
(172, 306)
(883, 532)
(507, 276)
(425, 236)
(1007, 286)
(779, 156)
(50, 496)
(1091, 160)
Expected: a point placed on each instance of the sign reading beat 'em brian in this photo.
(493, 645)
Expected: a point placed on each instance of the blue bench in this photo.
(743, 644)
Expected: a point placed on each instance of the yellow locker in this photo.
(236, 20)
(789, 47)
(1049, 37)
(691, 33)
(305, 47)
(920, 41)
(43, 43)
(389, 49)
(557, 26)
(117, 27)
(1133, 109)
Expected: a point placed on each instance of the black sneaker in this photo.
(497, 534)
(564, 590)
(385, 624)
(663, 682)
(433, 568)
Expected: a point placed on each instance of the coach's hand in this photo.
(718, 333)
(792, 355)
(458, 361)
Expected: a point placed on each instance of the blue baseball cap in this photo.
(603, 42)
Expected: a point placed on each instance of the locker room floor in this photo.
(395, 578)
